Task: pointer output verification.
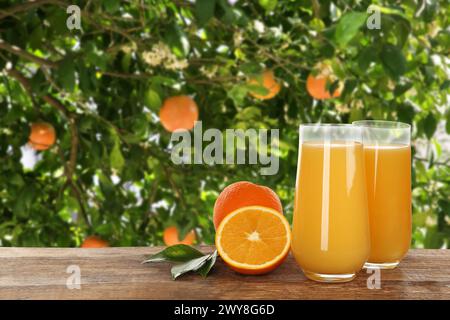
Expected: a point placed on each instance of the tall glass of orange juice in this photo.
(387, 152)
(330, 231)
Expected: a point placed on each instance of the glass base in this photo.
(330, 278)
(385, 265)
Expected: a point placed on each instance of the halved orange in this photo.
(253, 240)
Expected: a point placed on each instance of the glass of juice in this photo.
(387, 153)
(330, 230)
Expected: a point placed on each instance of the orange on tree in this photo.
(268, 81)
(253, 240)
(178, 112)
(316, 85)
(94, 242)
(171, 237)
(242, 194)
(42, 136)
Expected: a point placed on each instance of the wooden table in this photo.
(117, 273)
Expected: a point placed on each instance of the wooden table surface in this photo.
(117, 273)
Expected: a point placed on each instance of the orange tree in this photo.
(109, 174)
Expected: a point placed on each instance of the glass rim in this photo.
(381, 124)
(327, 125)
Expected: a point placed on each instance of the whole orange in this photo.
(94, 242)
(42, 136)
(242, 194)
(316, 85)
(171, 237)
(268, 81)
(178, 112)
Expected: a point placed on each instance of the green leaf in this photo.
(430, 125)
(111, 5)
(57, 20)
(348, 26)
(232, 15)
(17, 180)
(177, 41)
(140, 126)
(349, 87)
(176, 253)
(66, 74)
(162, 80)
(366, 57)
(434, 239)
(430, 10)
(24, 200)
(249, 114)
(251, 68)
(184, 228)
(209, 263)
(444, 207)
(192, 265)
(401, 30)
(406, 113)
(191, 260)
(419, 219)
(126, 62)
(386, 10)
(355, 115)
(268, 5)
(420, 170)
(393, 60)
(257, 89)
(116, 158)
(445, 85)
(204, 10)
(36, 38)
(238, 94)
(38, 83)
(152, 99)
(447, 122)
(402, 88)
(86, 79)
(331, 87)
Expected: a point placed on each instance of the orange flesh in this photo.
(254, 237)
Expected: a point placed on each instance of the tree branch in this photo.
(26, 6)
(316, 8)
(23, 81)
(58, 105)
(175, 188)
(140, 76)
(70, 117)
(26, 55)
(151, 199)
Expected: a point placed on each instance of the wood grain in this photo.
(117, 273)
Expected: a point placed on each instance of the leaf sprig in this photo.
(186, 259)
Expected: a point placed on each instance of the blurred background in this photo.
(110, 174)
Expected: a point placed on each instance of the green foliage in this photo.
(101, 87)
(348, 27)
(187, 259)
(176, 253)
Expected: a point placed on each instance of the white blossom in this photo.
(209, 72)
(161, 55)
(259, 26)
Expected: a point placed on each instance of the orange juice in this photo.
(388, 176)
(330, 233)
